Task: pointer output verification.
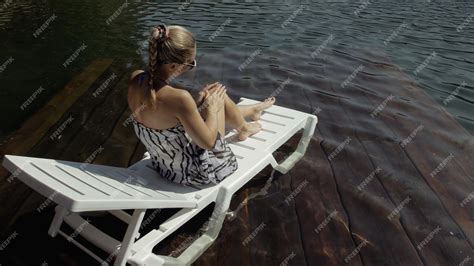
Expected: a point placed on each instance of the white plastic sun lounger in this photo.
(82, 187)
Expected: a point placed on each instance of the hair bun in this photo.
(160, 32)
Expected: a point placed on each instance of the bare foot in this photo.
(248, 129)
(259, 107)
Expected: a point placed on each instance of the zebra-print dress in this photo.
(177, 159)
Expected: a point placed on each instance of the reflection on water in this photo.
(252, 47)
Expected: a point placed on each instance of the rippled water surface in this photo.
(271, 42)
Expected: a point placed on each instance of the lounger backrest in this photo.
(85, 187)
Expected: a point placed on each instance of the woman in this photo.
(184, 134)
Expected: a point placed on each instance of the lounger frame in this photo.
(137, 250)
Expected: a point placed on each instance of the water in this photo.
(272, 42)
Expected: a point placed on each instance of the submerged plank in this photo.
(420, 212)
(51, 145)
(43, 124)
(38, 124)
(322, 218)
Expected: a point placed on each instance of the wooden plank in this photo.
(421, 210)
(96, 130)
(436, 140)
(42, 124)
(272, 223)
(366, 211)
(82, 108)
(120, 146)
(39, 124)
(322, 218)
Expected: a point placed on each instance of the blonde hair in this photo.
(168, 44)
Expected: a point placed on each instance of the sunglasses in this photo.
(191, 65)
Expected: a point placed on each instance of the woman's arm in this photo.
(203, 133)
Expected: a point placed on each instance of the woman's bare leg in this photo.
(235, 115)
(235, 119)
(253, 111)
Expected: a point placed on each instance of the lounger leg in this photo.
(129, 238)
(197, 248)
(289, 162)
(61, 212)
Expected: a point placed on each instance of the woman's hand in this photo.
(214, 97)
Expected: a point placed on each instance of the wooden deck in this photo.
(392, 189)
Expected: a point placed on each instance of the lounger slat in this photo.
(116, 182)
(77, 182)
(278, 129)
(138, 185)
(111, 189)
(56, 180)
(277, 120)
